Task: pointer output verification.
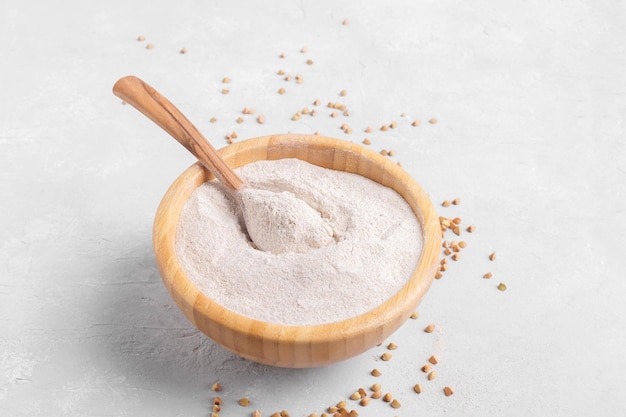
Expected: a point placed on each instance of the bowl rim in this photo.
(391, 313)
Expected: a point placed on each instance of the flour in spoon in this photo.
(281, 222)
(376, 244)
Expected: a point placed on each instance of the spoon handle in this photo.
(162, 112)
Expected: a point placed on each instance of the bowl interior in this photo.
(297, 346)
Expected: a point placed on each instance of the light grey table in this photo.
(530, 99)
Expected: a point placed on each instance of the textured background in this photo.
(530, 99)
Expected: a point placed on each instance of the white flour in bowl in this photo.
(378, 241)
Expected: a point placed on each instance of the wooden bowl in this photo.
(297, 346)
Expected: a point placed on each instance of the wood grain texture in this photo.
(298, 346)
(161, 111)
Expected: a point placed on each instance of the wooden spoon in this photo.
(161, 111)
(269, 217)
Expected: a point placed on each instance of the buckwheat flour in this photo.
(281, 222)
(377, 244)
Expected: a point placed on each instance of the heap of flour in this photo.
(377, 241)
(281, 222)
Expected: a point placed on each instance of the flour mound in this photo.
(281, 222)
(377, 244)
